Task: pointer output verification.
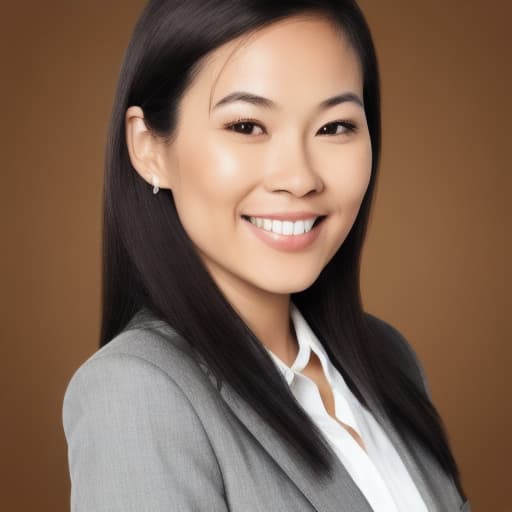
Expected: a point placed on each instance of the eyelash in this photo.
(349, 126)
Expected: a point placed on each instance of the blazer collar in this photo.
(339, 493)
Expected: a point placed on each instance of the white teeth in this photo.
(308, 224)
(298, 227)
(277, 227)
(286, 227)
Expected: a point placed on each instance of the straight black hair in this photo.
(150, 262)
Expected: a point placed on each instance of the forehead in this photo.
(290, 59)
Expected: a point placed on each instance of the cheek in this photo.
(351, 177)
(213, 179)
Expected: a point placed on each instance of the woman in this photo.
(237, 369)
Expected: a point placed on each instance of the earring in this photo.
(155, 184)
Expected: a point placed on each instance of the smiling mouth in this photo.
(285, 227)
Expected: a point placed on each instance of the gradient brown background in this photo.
(436, 263)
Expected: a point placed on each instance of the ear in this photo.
(145, 149)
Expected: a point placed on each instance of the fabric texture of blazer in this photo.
(148, 431)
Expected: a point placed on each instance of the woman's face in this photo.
(290, 157)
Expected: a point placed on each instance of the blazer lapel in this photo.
(337, 494)
(340, 493)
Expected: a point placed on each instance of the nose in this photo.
(291, 170)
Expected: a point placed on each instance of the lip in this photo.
(301, 215)
(287, 243)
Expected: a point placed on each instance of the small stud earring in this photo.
(155, 184)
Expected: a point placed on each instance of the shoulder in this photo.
(145, 342)
(131, 422)
(145, 358)
(402, 350)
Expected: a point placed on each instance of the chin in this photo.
(286, 284)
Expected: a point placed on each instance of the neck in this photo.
(266, 314)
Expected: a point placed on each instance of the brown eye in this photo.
(346, 128)
(243, 126)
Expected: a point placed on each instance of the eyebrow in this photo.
(260, 101)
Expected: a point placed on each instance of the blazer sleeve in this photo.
(135, 442)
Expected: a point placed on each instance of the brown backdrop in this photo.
(436, 262)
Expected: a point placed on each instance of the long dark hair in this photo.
(150, 262)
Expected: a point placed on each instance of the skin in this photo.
(291, 158)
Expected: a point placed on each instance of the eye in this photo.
(243, 126)
(347, 128)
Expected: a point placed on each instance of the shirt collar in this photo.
(307, 341)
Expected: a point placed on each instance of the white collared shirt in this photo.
(380, 474)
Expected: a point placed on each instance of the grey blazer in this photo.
(148, 431)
